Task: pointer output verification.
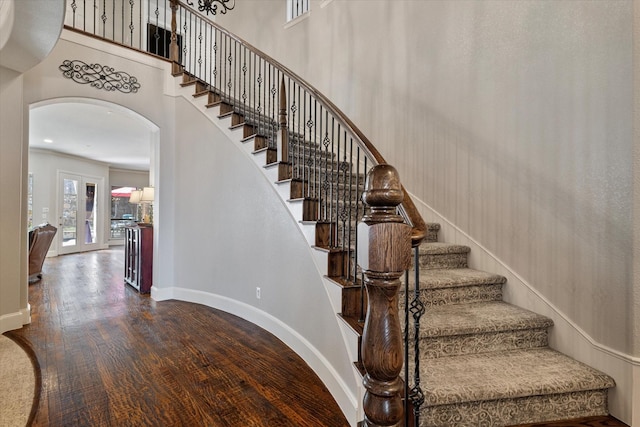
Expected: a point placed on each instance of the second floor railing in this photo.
(319, 151)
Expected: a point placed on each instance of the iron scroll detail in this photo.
(99, 76)
(210, 6)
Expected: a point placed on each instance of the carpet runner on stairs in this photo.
(485, 362)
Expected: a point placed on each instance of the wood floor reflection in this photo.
(112, 357)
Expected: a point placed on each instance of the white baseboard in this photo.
(11, 321)
(349, 404)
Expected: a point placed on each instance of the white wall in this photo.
(29, 31)
(233, 234)
(14, 310)
(511, 123)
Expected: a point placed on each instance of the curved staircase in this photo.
(483, 361)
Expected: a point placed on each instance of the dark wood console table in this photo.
(138, 257)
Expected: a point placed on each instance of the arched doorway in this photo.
(76, 147)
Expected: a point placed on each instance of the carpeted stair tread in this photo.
(506, 375)
(457, 277)
(477, 318)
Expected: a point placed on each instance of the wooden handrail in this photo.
(412, 215)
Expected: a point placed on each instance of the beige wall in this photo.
(128, 178)
(635, 301)
(511, 119)
(511, 123)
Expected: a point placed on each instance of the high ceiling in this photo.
(93, 131)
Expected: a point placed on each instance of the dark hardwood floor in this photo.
(112, 357)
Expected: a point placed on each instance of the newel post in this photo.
(384, 253)
(174, 51)
(284, 167)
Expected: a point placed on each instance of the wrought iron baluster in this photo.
(140, 19)
(306, 151)
(199, 61)
(264, 121)
(73, 6)
(299, 131)
(165, 26)
(334, 225)
(264, 89)
(186, 37)
(228, 61)
(312, 149)
(259, 80)
(350, 200)
(208, 43)
(274, 91)
(355, 200)
(417, 309)
(113, 20)
(294, 139)
(244, 83)
(214, 72)
(336, 187)
(405, 340)
(291, 102)
(131, 26)
(122, 22)
(322, 169)
(103, 17)
(157, 32)
(362, 285)
(344, 212)
(254, 81)
(235, 74)
(221, 68)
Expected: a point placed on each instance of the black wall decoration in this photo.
(99, 76)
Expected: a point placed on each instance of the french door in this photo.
(80, 215)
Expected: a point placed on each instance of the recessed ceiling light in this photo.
(48, 141)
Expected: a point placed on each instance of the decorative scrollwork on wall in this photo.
(210, 6)
(99, 76)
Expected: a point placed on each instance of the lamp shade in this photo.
(135, 197)
(148, 194)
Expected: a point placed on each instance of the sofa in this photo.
(40, 239)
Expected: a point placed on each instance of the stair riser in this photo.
(452, 260)
(482, 343)
(506, 412)
(459, 295)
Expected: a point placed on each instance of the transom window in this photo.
(296, 8)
